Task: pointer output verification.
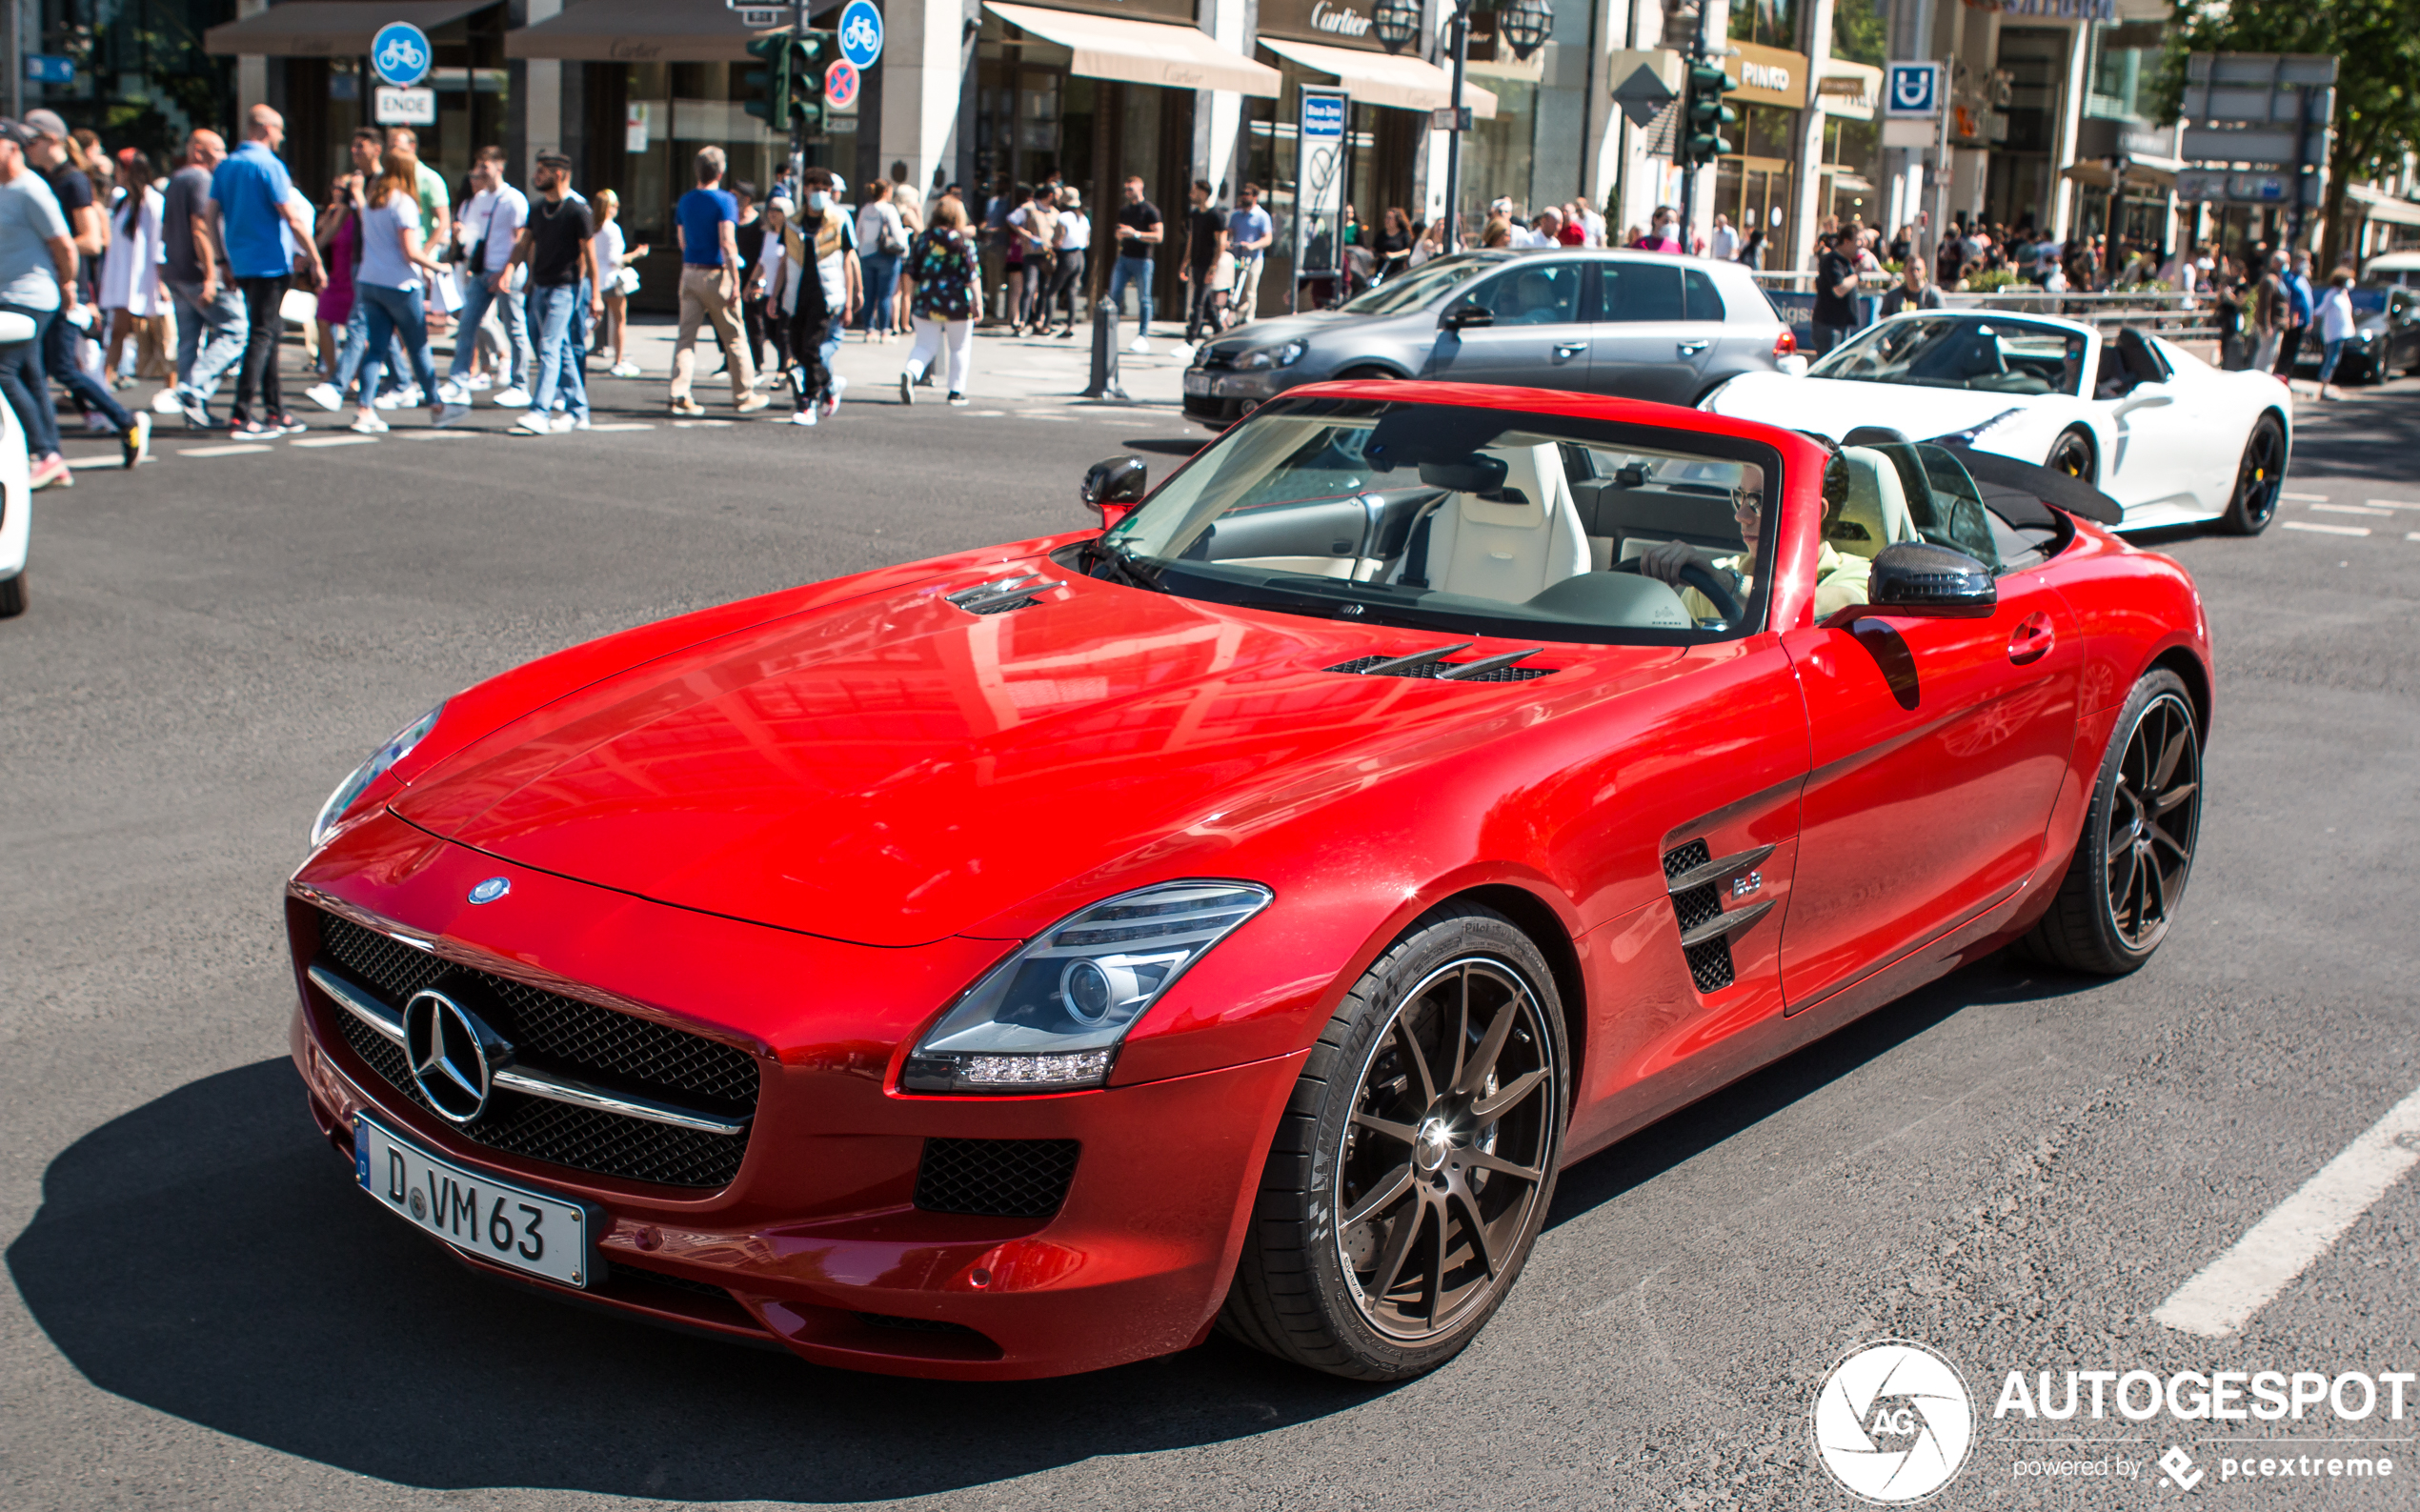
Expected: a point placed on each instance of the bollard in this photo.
(1104, 376)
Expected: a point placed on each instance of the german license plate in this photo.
(1196, 382)
(498, 1221)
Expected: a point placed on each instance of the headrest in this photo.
(1875, 512)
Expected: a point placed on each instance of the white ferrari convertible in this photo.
(2174, 440)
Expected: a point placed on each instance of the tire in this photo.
(13, 596)
(2258, 479)
(2071, 454)
(2134, 856)
(1362, 1134)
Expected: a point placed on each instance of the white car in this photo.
(2174, 440)
(16, 488)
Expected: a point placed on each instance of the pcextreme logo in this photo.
(1893, 1421)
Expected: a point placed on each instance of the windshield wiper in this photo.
(1099, 553)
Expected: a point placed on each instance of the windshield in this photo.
(1418, 288)
(1468, 521)
(1995, 355)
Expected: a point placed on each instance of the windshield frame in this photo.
(1315, 600)
(1824, 366)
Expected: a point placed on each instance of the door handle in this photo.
(1565, 351)
(2031, 640)
(1691, 348)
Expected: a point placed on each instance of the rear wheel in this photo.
(2258, 479)
(2071, 454)
(1358, 375)
(1413, 1167)
(13, 597)
(2136, 851)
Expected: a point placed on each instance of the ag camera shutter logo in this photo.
(1892, 1422)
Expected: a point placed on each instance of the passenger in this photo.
(1840, 577)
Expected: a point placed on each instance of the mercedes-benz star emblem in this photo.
(489, 891)
(454, 1056)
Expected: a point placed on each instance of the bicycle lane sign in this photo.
(861, 34)
(401, 54)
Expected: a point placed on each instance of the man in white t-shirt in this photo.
(490, 223)
(1727, 241)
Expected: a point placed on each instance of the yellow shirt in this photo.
(1840, 583)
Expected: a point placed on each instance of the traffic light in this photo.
(810, 53)
(769, 87)
(1704, 115)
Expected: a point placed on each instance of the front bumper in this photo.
(819, 1242)
(1222, 396)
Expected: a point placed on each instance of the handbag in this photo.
(626, 280)
(893, 243)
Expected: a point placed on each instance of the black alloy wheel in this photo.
(2259, 481)
(1413, 1168)
(2136, 853)
(2071, 454)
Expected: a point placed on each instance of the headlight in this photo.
(351, 788)
(1285, 356)
(1050, 1017)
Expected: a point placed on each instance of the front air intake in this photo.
(994, 1178)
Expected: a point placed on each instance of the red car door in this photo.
(1939, 746)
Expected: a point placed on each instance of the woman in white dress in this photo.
(613, 255)
(129, 283)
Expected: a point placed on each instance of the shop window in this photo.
(1774, 22)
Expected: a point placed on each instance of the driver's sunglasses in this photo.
(1747, 506)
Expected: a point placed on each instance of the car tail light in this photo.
(1785, 344)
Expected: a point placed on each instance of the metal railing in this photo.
(2175, 316)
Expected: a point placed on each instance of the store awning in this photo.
(1175, 57)
(1382, 78)
(2383, 207)
(636, 31)
(2140, 173)
(319, 29)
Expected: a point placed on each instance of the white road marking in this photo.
(1037, 414)
(2353, 509)
(2328, 529)
(2280, 1246)
(2411, 535)
(231, 449)
(987, 414)
(2306, 498)
(624, 425)
(113, 460)
(436, 435)
(2391, 504)
(338, 440)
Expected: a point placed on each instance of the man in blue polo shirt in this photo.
(253, 208)
(707, 223)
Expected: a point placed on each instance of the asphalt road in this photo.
(2015, 1168)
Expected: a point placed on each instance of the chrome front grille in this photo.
(600, 1055)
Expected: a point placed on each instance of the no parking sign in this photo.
(840, 85)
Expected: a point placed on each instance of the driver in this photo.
(1840, 577)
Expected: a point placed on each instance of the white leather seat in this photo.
(1509, 551)
(1877, 503)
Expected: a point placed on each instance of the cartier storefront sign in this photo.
(1336, 23)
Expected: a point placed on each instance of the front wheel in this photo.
(1413, 1167)
(2071, 454)
(2259, 479)
(13, 596)
(2136, 851)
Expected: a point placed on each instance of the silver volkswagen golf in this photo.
(1638, 325)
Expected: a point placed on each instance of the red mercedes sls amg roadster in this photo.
(1029, 959)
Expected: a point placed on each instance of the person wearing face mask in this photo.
(825, 284)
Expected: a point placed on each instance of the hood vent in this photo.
(1003, 593)
(1433, 664)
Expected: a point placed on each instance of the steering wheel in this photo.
(1704, 581)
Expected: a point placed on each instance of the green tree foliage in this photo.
(2377, 47)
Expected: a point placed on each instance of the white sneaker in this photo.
(560, 422)
(479, 380)
(513, 398)
(453, 410)
(581, 424)
(1182, 352)
(535, 423)
(805, 416)
(388, 401)
(369, 425)
(452, 391)
(413, 397)
(325, 395)
(166, 401)
(1140, 346)
(832, 404)
(624, 370)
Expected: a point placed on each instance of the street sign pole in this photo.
(1689, 163)
(798, 125)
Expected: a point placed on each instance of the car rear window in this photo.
(1656, 291)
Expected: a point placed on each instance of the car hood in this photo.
(894, 770)
(1834, 407)
(1267, 332)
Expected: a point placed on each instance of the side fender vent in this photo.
(1003, 593)
(1694, 878)
(1432, 664)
